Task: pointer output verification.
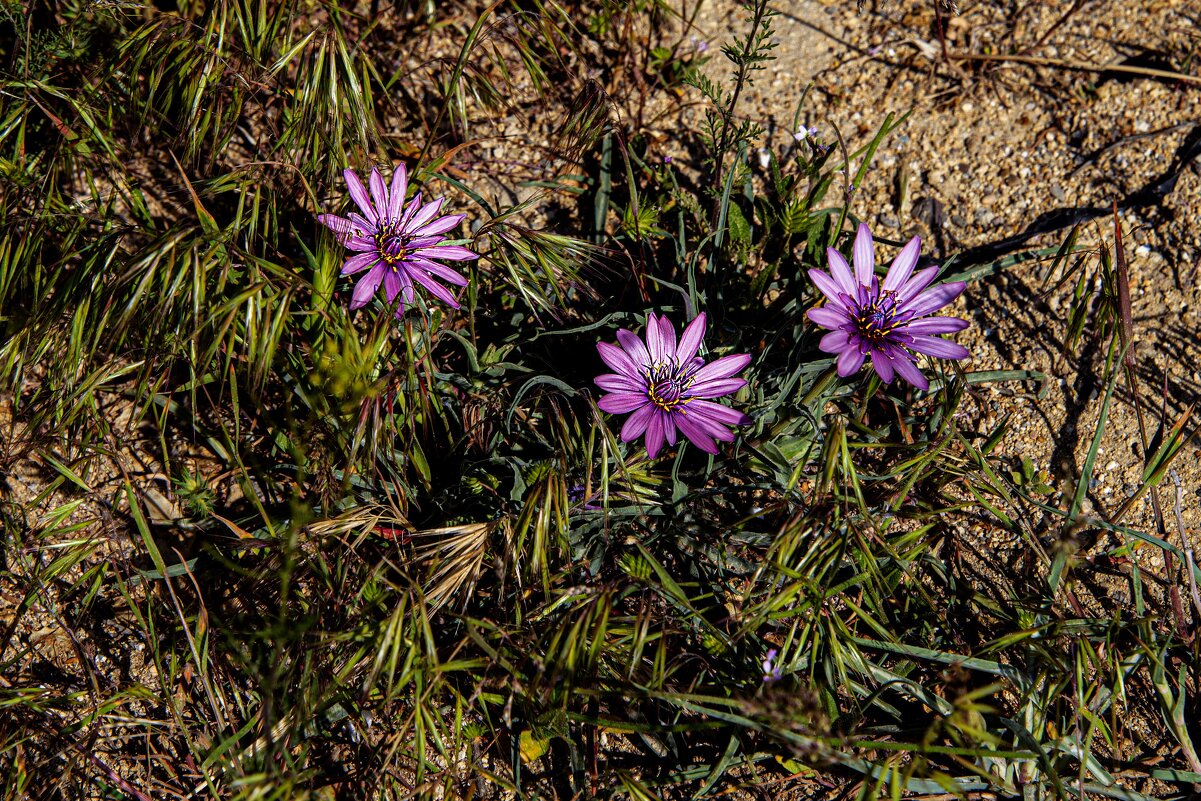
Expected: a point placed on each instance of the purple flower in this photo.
(668, 387)
(396, 242)
(885, 321)
(576, 493)
(772, 672)
(804, 132)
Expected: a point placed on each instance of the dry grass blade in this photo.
(361, 522)
(1081, 66)
(455, 556)
(1123, 282)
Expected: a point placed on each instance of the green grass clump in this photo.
(257, 546)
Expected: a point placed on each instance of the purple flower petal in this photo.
(440, 225)
(902, 265)
(636, 423)
(709, 425)
(690, 341)
(667, 333)
(400, 187)
(419, 243)
(724, 367)
(696, 434)
(440, 270)
(359, 195)
(427, 213)
(631, 343)
(408, 295)
(934, 325)
(434, 288)
(827, 317)
(448, 252)
(363, 226)
(391, 285)
(715, 411)
(411, 207)
(669, 427)
(379, 191)
(362, 245)
(336, 223)
(833, 291)
(907, 370)
(834, 342)
(716, 388)
(622, 402)
(366, 286)
(883, 366)
(654, 435)
(935, 298)
(618, 361)
(344, 229)
(614, 382)
(840, 271)
(940, 348)
(850, 361)
(360, 262)
(920, 280)
(654, 340)
(864, 255)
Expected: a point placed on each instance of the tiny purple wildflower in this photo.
(576, 493)
(772, 671)
(885, 321)
(668, 387)
(805, 133)
(396, 242)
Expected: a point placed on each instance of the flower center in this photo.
(876, 320)
(391, 243)
(666, 383)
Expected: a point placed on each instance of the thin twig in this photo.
(1042, 40)
(1081, 66)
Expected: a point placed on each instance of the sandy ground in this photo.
(1004, 156)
